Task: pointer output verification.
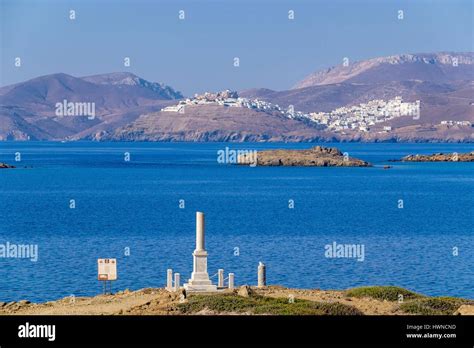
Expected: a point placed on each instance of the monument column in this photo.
(199, 231)
(200, 281)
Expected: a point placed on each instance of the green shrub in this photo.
(434, 305)
(389, 293)
(218, 303)
(230, 303)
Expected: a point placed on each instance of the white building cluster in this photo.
(358, 118)
(230, 98)
(361, 117)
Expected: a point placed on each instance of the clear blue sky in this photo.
(196, 54)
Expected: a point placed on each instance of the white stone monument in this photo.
(200, 281)
(169, 279)
(262, 275)
(176, 281)
(220, 278)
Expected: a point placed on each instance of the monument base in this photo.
(200, 288)
(200, 281)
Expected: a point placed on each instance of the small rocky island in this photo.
(5, 166)
(317, 156)
(441, 157)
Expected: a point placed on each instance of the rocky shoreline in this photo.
(440, 157)
(317, 156)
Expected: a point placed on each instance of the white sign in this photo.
(107, 269)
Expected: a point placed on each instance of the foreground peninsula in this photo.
(441, 157)
(317, 156)
(250, 300)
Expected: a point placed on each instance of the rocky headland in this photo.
(441, 157)
(317, 156)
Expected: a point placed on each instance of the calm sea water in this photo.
(135, 205)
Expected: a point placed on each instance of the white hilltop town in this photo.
(357, 118)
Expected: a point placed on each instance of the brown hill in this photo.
(27, 110)
(213, 123)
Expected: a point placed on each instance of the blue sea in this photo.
(131, 211)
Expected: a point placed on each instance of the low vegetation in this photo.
(231, 303)
(412, 303)
(389, 293)
(434, 305)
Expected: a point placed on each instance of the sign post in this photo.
(107, 272)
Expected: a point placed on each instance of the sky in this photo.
(197, 53)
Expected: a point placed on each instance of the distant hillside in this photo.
(433, 67)
(213, 123)
(127, 107)
(446, 92)
(439, 100)
(27, 110)
(128, 79)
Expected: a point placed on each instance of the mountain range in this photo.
(27, 110)
(127, 107)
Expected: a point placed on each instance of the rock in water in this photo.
(5, 166)
(440, 157)
(317, 156)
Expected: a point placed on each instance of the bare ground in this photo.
(158, 301)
